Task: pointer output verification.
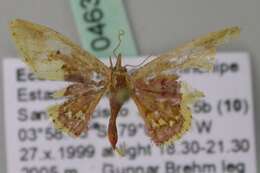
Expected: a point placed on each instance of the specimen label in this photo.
(98, 23)
(221, 139)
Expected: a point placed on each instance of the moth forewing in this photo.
(52, 56)
(199, 53)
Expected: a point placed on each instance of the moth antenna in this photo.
(120, 34)
(140, 63)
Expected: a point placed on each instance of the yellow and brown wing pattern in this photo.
(52, 56)
(162, 98)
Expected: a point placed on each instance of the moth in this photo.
(162, 99)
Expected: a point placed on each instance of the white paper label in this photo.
(221, 139)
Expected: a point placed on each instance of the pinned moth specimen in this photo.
(162, 99)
